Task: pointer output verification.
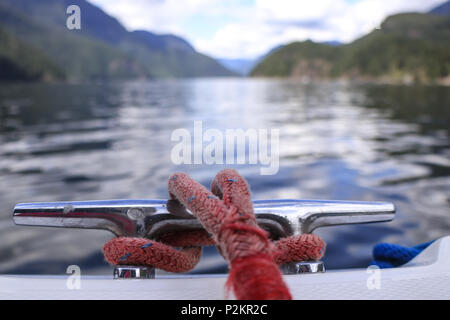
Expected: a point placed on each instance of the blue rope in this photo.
(387, 255)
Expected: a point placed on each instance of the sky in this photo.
(247, 29)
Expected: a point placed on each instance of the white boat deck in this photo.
(425, 277)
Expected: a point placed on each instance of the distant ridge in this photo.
(409, 47)
(103, 48)
(240, 66)
(442, 10)
(20, 62)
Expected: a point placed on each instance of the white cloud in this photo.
(267, 23)
(284, 21)
(300, 9)
(161, 16)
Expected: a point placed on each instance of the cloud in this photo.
(283, 21)
(249, 28)
(162, 16)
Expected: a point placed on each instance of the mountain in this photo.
(161, 42)
(240, 66)
(332, 43)
(307, 58)
(79, 56)
(20, 62)
(442, 10)
(103, 48)
(245, 66)
(410, 47)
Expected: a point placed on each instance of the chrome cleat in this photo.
(303, 267)
(134, 272)
(152, 218)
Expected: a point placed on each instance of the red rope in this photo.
(141, 251)
(227, 215)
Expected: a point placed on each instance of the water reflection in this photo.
(106, 141)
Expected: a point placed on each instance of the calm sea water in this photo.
(110, 141)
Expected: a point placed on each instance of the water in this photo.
(108, 141)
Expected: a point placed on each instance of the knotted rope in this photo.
(226, 213)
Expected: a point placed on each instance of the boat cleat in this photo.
(152, 218)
